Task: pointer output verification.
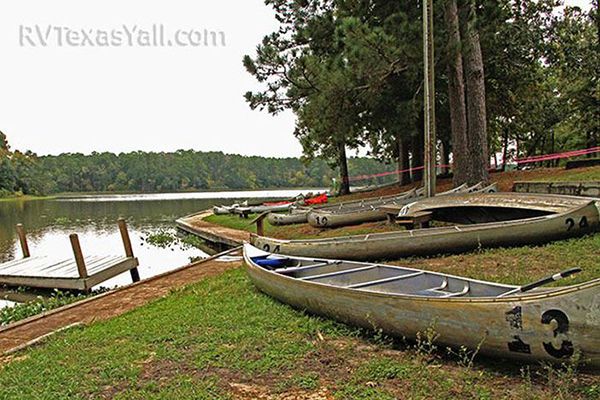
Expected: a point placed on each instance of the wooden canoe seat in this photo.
(392, 211)
(419, 219)
(243, 212)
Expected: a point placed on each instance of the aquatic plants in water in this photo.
(9, 315)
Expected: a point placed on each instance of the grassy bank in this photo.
(221, 339)
(25, 198)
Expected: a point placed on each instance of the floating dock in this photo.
(79, 273)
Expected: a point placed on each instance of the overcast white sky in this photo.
(78, 99)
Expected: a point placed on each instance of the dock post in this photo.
(260, 228)
(135, 274)
(83, 274)
(23, 241)
(259, 221)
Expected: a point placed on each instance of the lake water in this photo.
(94, 219)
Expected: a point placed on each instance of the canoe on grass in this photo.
(273, 207)
(580, 221)
(494, 207)
(300, 215)
(370, 211)
(542, 325)
(295, 216)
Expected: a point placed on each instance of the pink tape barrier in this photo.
(528, 160)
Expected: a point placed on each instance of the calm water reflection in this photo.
(49, 223)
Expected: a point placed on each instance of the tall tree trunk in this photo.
(403, 160)
(477, 139)
(456, 95)
(418, 147)
(505, 149)
(343, 164)
(445, 156)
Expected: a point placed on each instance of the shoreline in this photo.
(16, 198)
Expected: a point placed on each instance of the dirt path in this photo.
(108, 305)
(196, 225)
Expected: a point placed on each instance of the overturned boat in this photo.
(540, 219)
(524, 323)
(273, 206)
(299, 215)
(370, 211)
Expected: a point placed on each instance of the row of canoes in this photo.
(359, 211)
(492, 223)
(372, 212)
(273, 206)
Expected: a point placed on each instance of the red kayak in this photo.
(320, 199)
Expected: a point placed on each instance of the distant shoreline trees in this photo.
(184, 170)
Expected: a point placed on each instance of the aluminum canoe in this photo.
(471, 208)
(370, 211)
(299, 215)
(580, 221)
(544, 325)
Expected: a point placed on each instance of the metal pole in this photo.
(429, 80)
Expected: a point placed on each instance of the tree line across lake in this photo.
(184, 170)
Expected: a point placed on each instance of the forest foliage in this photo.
(513, 77)
(184, 170)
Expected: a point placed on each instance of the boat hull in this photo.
(300, 215)
(293, 218)
(579, 222)
(545, 327)
(319, 219)
(370, 212)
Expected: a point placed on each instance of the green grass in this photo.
(235, 222)
(302, 231)
(577, 175)
(222, 339)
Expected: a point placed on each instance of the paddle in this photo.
(543, 282)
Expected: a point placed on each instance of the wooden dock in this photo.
(107, 305)
(79, 273)
(214, 234)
